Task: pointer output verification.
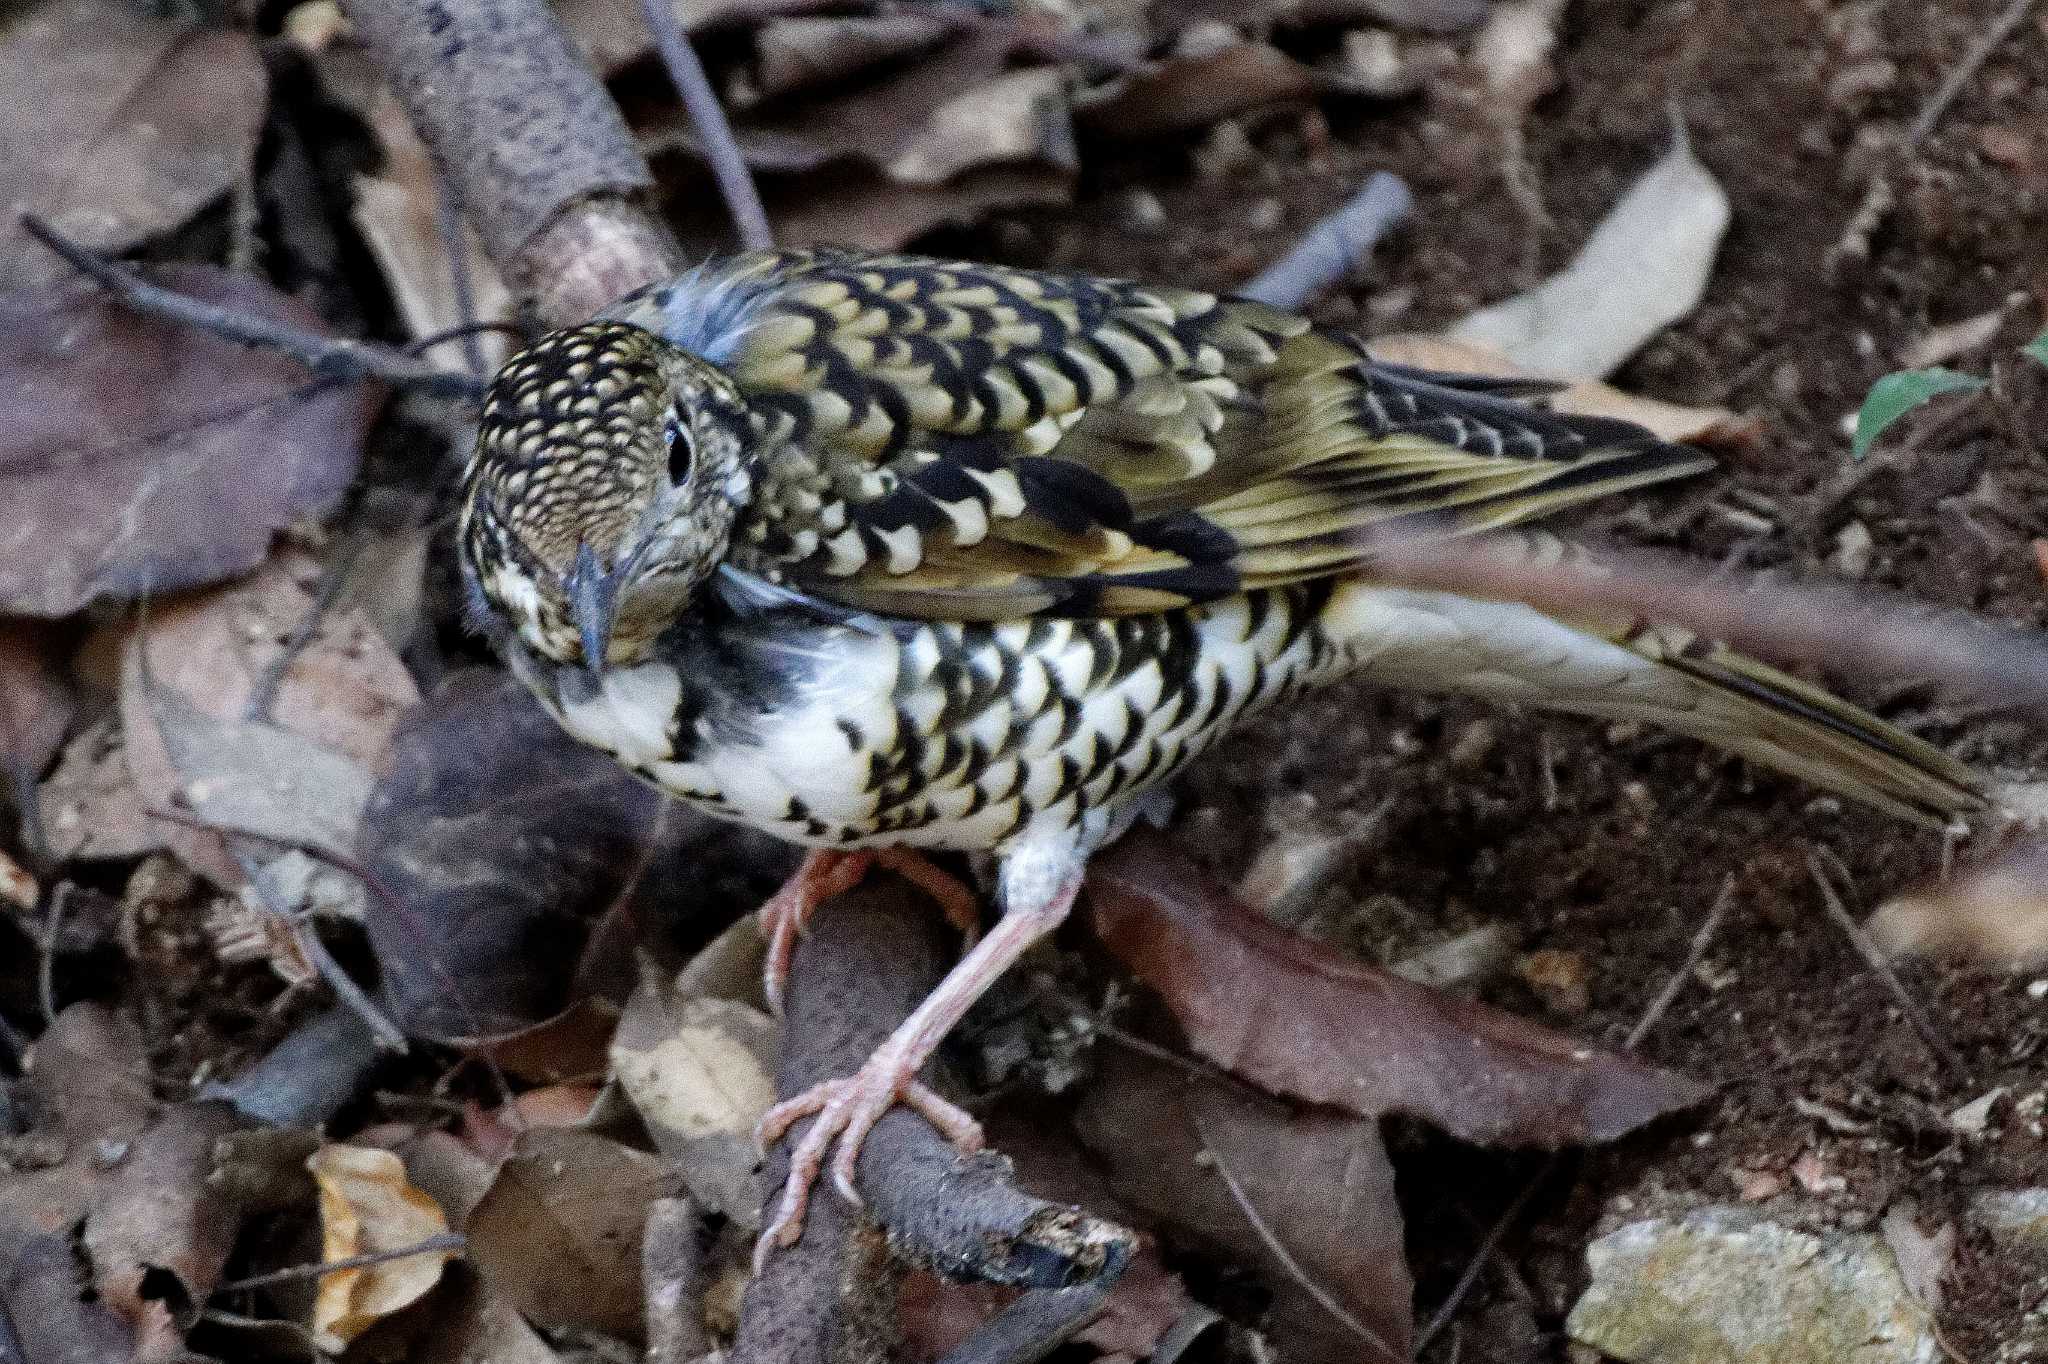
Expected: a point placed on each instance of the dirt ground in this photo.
(1611, 847)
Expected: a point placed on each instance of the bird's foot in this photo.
(827, 872)
(846, 1110)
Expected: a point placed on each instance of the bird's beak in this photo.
(594, 597)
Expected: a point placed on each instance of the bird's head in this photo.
(608, 470)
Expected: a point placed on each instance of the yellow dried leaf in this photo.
(368, 1206)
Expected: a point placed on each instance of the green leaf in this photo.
(1893, 396)
(2037, 349)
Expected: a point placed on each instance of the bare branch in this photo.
(714, 130)
(328, 357)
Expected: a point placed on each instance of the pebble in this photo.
(1853, 549)
(2017, 1219)
(1139, 213)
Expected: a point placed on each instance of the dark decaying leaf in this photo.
(139, 456)
(498, 840)
(161, 1232)
(1301, 1020)
(118, 126)
(1306, 1197)
(559, 1233)
(36, 702)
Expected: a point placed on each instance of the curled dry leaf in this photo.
(1644, 267)
(118, 487)
(1194, 90)
(118, 126)
(1019, 116)
(303, 776)
(1996, 913)
(366, 1206)
(1301, 1020)
(499, 839)
(701, 1074)
(1307, 1197)
(1669, 421)
(559, 1233)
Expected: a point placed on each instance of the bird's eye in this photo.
(679, 451)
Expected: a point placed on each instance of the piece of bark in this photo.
(531, 142)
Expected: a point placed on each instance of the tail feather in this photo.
(1444, 641)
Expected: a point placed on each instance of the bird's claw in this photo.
(846, 1110)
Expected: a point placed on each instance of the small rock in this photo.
(1858, 81)
(1474, 745)
(1471, 957)
(1815, 1177)
(2017, 1219)
(1224, 152)
(1263, 216)
(1559, 978)
(1206, 38)
(1140, 213)
(1754, 1186)
(1725, 1284)
(1972, 1118)
(2006, 147)
(1853, 547)
(1286, 876)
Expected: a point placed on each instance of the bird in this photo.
(889, 555)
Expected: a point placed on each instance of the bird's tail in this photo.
(1657, 674)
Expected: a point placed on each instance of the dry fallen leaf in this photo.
(367, 1206)
(500, 839)
(558, 1235)
(1996, 913)
(1668, 421)
(1019, 116)
(302, 776)
(91, 809)
(1306, 1197)
(1644, 267)
(1304, 1021)
(794, 53)
(701, 1073)
(142, 457)
(118, 126)
(161, 1232)
(1194, 90)
(1924, 1260)
(36, 703)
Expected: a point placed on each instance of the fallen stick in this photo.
(871, 956)
(1334, 247)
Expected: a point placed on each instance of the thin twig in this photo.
(1869, 951)
(455, 242)
(447, 1240)
(1336, 246)
(1697, 953)
(714, 130)
(1280, 1252)
(1878, 198)
(331, 358)
(46, 969)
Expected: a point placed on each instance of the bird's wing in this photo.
(965, 441)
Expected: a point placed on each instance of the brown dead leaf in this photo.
(1301, 1020)
(558, 1235)
(701, 1073)
(612, 34)
(141, 457)
(36, 703)
(91, 809)
(161, 1232)
(1019, 116)
(1996, 913)
(473, 1325)
(794, 53)
(366, 1206)
(399, 214)
(86, 1090)
(304, 776)
(1183, 92)
(118, 126)
(1307, 1197)
(1590, 397)
(864, 209)
(500, 839)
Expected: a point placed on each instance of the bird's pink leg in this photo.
(827, 872)
(848, 1108)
